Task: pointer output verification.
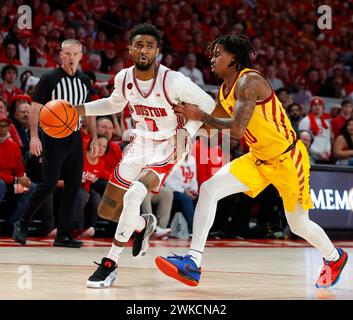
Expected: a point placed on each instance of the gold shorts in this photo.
(289, 173)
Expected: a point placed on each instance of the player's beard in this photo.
(144, 67)
(215, 70)
(217, 74)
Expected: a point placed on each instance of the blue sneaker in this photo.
(183, 269)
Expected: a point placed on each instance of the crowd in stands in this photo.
(302, 63)
(288, 45)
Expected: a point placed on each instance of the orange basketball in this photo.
(58, 118)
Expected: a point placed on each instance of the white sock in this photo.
(115, 253)
(333, 256)
(196, 256)
(221, 185)
(301, 225)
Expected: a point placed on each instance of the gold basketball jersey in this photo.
(269, 132)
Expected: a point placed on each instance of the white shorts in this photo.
(145, 154)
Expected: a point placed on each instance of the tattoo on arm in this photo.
(246, 92)
(216, 122)
(109, 201)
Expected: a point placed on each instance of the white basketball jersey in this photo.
(152, 112)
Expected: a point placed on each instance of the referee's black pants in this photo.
(62, 158)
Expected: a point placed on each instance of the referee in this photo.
(62, 158)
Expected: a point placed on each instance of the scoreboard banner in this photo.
(332, 195)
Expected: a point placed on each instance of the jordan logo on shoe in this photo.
(122, 234)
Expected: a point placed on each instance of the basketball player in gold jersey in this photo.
(276, 157)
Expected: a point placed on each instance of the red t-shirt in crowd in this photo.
(93, 172)
(14, 135)
(112, 157)
(336, 125)
(4, 59)
(11, 164)
(9, 94)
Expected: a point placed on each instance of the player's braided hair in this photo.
(239, 45)
(145, 29)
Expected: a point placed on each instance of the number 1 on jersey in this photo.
(151, 125)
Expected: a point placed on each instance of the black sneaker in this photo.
(104, 276)
(141, 240)
(67, 242)
(20, 232)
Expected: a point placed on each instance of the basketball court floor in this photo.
(232, 270)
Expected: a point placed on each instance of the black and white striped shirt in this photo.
(57, 84)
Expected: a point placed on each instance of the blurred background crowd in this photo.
(311, 71)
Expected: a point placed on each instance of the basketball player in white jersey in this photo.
(150, 90)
